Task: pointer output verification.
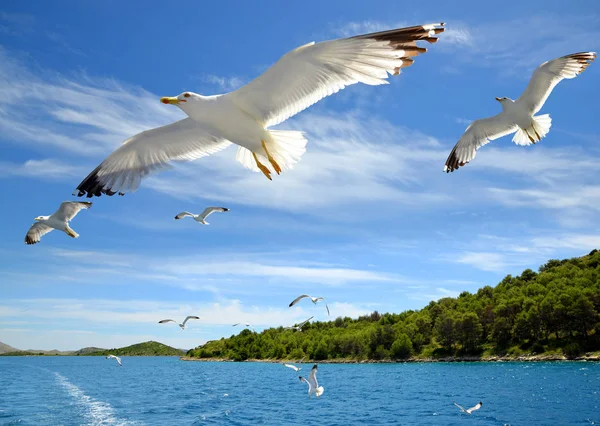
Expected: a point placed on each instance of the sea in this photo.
(167, 391)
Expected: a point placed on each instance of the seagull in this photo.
(247, 325)
(115, 357)
(182, 325)
(58, 220)
(470, 410)
(202, 216)
(243, 117)
(299, 326)
(518, 116)
(292, 366)
(313, 385)
(314, 300)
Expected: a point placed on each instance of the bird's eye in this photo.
(186, 95)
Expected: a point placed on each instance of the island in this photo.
(546, 315)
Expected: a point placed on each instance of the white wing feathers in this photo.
(293, 367)
(69, 209)
(549, 74)
(190, 317)
(297, 299)
(147, 152)
(36, 232)
(210, 210)
(313, 71)
(183, 214)
(478, 134)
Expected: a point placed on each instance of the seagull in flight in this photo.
(470, 410)
(244, 117)
(58, 220)
(115, 357)
(202, 216)
(292, 366)
(247, 325)
(313, 385)
(182, 325)
(299, 326)
(518, 116)
(313, 299)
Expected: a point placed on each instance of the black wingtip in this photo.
(291, 304)
(92, 187)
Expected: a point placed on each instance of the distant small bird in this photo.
(518, 116)
(299, 326)
(470, 410)
(247, 325)
(292, 366)
(314, 300)
(202, 216)
(115, 357)
(313, 385)
(182, 325)
(57, 220)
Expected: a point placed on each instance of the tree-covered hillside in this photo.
(555, 310)
(140, 349)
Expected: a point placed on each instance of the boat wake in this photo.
(96, 412)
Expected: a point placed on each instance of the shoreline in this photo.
(523, 358)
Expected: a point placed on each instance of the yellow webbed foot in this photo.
(271, 159)
(262, 167)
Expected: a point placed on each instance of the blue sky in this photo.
(367, 219)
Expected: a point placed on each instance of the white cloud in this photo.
(47, 169)
(485, 261)
(68, 324)
(224, 83)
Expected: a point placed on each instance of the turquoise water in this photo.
(167, 391)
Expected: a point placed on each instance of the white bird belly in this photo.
(232, 123)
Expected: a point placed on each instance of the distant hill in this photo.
(4, 348)
(141, 349)
(552, 312)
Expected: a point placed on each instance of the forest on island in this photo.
(554, 310)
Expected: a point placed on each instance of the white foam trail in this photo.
(96, 412)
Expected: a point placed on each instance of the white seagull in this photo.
(247, 325)
(243, 117)
(313, 299)
(313, 385)
(57, 220)
(518, 116)
(202, 216)
(299, 326)
(182, 325)
(292, 366)
(115, 357)
(470, 410)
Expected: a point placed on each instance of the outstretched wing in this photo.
(167, 320)
(311, 72)
(183, 214)
(304, 323)
(297, 299)
(190, 317)
(549, 74)
(293, 367)
(479, 133)
(69, 209)
(210, 210)
(312, 377)
(147, 152)
(475, 408)
(460, 406)
(327, 307)
(36, 232)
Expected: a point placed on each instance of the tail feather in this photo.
(319, 391)
(540, 126)
(286, 147)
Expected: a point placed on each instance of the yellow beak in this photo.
(37, 218)
(170, 100)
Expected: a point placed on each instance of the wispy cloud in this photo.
(224, 83)
(47, 168)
